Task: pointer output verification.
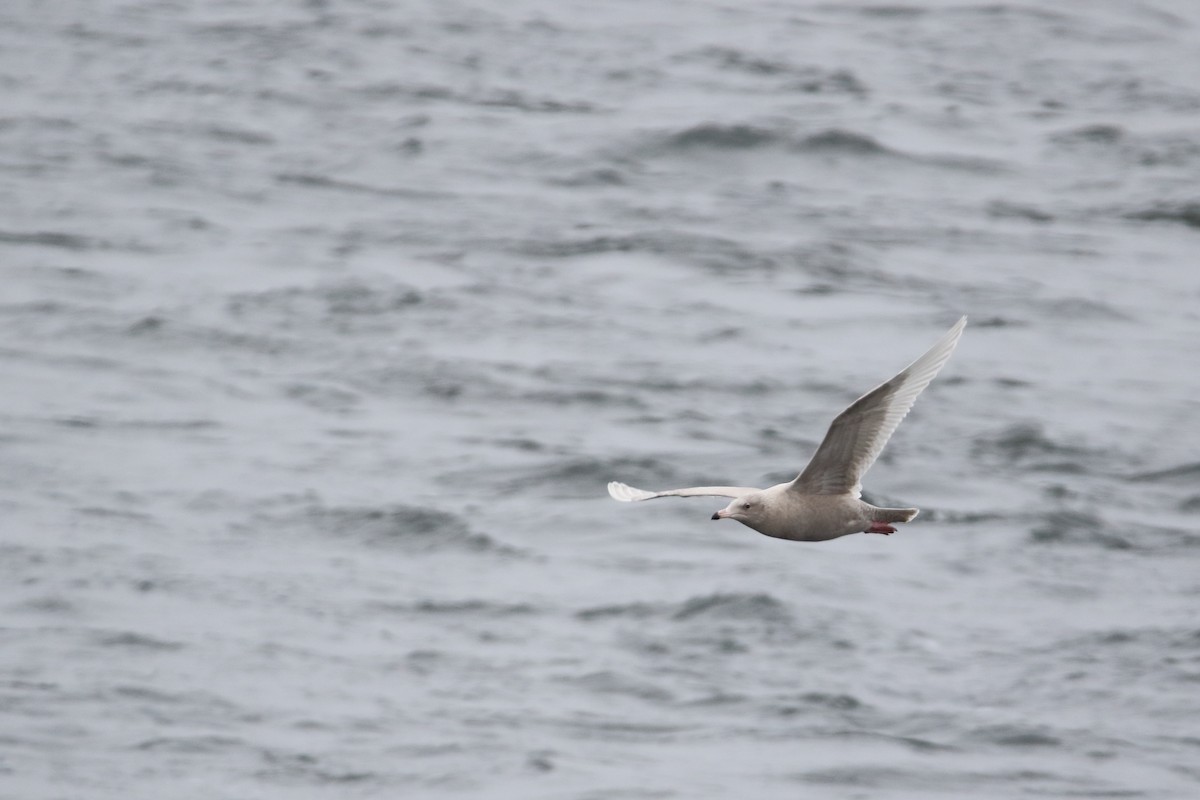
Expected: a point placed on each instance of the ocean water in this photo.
(323, 326)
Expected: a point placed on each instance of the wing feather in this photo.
(628, 494)
(858, 435)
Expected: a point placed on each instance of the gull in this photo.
(823, 502)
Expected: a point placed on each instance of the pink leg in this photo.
(880, 527)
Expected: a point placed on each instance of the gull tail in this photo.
(894, 514)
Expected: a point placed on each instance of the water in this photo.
(324, 325)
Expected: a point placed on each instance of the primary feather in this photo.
(628, 494)
(857, 436)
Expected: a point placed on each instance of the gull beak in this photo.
(722, 514)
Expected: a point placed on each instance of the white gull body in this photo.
(823, 502)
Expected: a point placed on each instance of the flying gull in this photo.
(823, 502)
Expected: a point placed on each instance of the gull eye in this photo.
(745, 505)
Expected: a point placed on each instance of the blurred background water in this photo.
(324, 325)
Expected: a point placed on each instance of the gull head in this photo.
(747, 509)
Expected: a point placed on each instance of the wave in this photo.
(738, 606)
(1113, 143)
(292, 766)
(413, 528)
(513, 99)
(312, 181)
(756, 606)
(1005, 209)
(473, 607)
(836, 141)
(721, 254)
(1082, 309)
(621, 611)
(1183, 473)
(1022, 736)
(1079, 527)
(836, 702)
(744, 136)
(350, 306)
(1090, 528)
(720, 136)
(587, 477)
(55, 239)
(161, 330)
(1027, 444)
(1183, 213)
(1100, 133)
(609, 682)
(206, 744)
(136, 641)
(600, 176)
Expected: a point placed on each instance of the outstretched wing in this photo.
(628, 494)
(858, 435)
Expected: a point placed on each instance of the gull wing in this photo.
(628, 494)
(857, 436)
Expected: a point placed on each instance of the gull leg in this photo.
(880, 527)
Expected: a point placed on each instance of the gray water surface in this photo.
(323, 326)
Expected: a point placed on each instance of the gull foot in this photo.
(880, 527)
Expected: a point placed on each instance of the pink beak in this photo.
(722, 514)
